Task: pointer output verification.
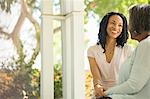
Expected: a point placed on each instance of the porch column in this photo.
(47, 75)
(73, 49)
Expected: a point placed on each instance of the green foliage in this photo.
(133, 43)
(101, 7)
(58, 81)
(23, 79)
(26, 77)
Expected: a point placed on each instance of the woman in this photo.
(134, 76)
(110, 51)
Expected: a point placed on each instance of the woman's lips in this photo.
(114, 32)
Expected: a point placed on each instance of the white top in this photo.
(134, 76)
(109, 71)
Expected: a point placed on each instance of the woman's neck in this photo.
(110, 41)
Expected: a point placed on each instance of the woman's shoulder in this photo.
(127, 49)
(92, 50)
(94, 47)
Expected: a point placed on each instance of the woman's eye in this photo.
(120, 25)
(112, 23)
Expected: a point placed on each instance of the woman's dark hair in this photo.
(139, 18)
(121, 39)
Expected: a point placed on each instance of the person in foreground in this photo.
(109, 53)
(134, 75)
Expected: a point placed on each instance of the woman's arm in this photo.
(96, 77)
(140, 72)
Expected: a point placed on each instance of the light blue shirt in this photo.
(134, 76)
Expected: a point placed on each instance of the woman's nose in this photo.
(115, 27)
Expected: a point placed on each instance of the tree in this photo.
(14, 35)
(25, 79)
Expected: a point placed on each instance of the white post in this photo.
(47, 75)
(73, 49)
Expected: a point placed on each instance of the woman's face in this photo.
(114, 26)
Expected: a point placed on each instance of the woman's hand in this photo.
(99, 90)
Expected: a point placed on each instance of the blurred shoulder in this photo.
(94, 47)
(128, 47)
(93, 50)
(145, 42)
